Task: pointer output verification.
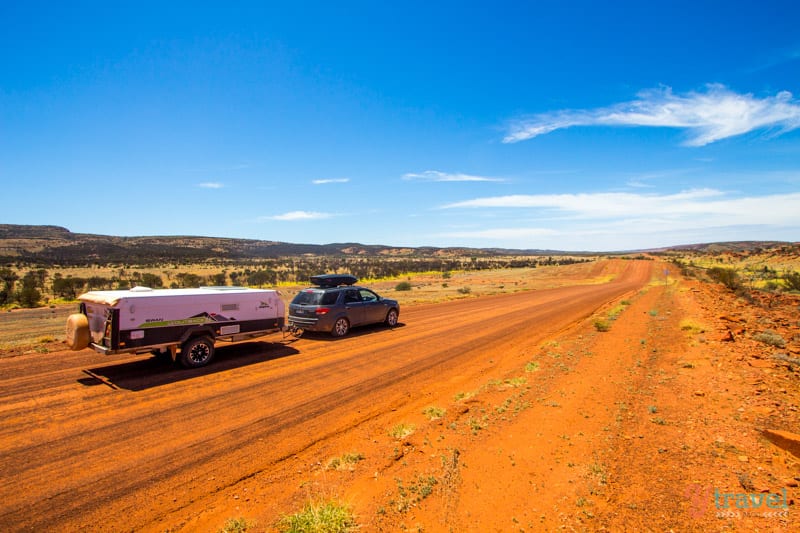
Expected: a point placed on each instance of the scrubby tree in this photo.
(152, 280)
(187, 279)
(260, 278)
(792, 280)
(98, 283)
(67, 287)
(9, 278)
(217, 279)
(726, 276)
(41, 276)
(29, 294)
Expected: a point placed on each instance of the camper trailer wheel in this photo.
(197, 352)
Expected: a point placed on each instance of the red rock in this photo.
(784, 439)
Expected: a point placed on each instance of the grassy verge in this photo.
(320, 517)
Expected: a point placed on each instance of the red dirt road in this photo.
(130, 443)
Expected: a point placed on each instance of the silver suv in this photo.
(335, 305)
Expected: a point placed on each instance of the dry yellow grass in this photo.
(20, 328)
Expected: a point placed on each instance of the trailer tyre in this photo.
(77, 331)
(197, 352)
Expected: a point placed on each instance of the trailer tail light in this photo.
(322, 311)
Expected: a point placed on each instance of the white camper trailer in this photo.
(188, 321)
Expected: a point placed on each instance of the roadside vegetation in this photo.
(772, 269)
(237, 525)
(604, 323)
(25, 328)
(402, 430)
(328, 516)
(346, 461)
(28, 285)
(434, 413)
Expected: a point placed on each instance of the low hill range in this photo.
(727, 247)
(60, 246)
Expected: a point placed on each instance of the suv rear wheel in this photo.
(391, 318)
(340, 327)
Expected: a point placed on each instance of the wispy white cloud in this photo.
(435, 175)
(298, 215)
(619, 221)
(639, 184)
(333, 180)
(605, 204)
(503, 234)
(220, 169)
(717, 113)
(697, 207)
(780, 57)
(649, 179)
(210, 185)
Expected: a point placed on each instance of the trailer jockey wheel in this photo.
(162, 354)
(197, 352)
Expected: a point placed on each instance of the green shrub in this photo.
(320, 517)
(236, 525)
(792, 280)
(687, 324)
(602, 325)
(434, 413)
(401, 431)
(403, 286)
(726, 276)
(345, 461)
(771, 338)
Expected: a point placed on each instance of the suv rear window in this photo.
(311, 297)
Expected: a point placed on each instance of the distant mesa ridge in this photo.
(58, 245)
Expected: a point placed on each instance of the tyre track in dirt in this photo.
(75, 452)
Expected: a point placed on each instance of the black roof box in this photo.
(333, 280)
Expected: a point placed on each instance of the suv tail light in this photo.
(322, 311)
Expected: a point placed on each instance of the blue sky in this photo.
(557, 125)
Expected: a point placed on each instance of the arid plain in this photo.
(507, 409)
